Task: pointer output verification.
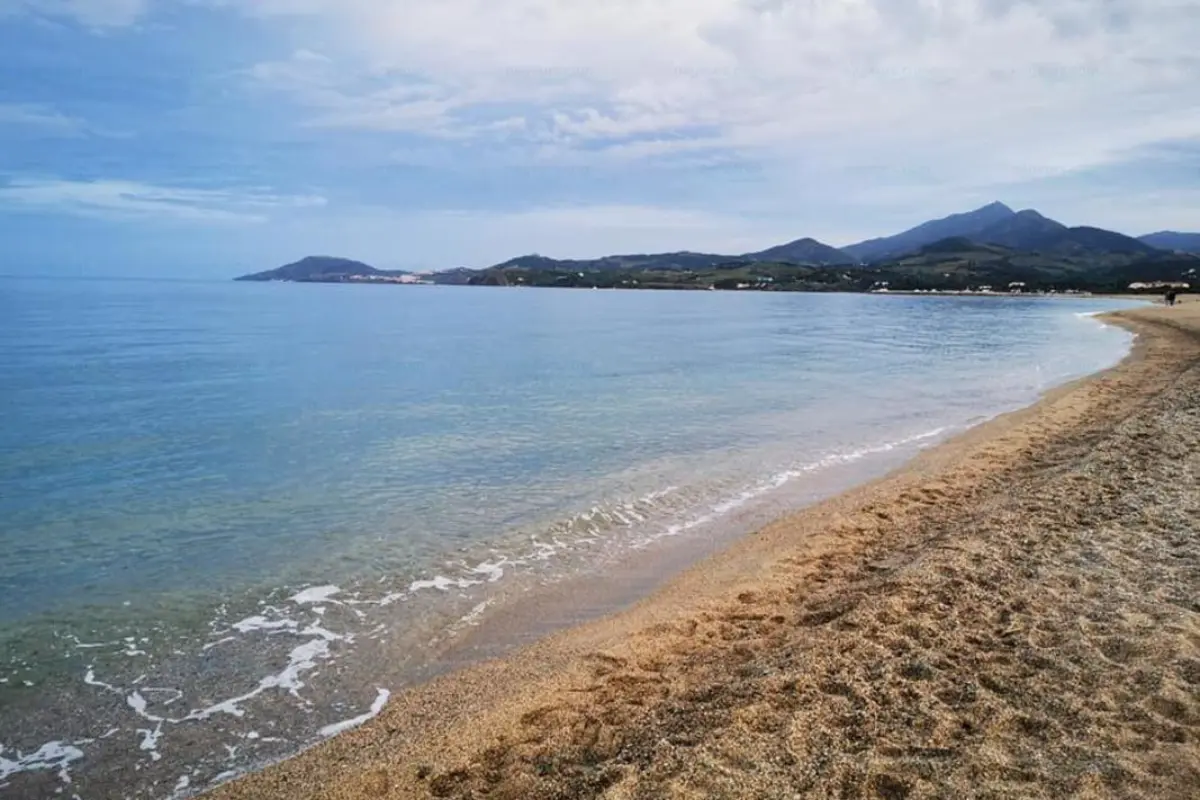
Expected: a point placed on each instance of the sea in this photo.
(236, 517)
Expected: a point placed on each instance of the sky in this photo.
(206, 138)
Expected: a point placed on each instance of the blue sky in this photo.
(213, 137)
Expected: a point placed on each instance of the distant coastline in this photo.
(991, 250)
(921, 275)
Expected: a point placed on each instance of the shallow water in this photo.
(235, 516)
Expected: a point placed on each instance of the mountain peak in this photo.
(967, 224)
(802, 251)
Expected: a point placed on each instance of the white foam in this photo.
(317, 594)
(139, 704)
(780, 479)
(259, 623)
(150, 736)
(90, 679)
(302, 659)
(150, 739)
(493, 572)
(472, 616)
(345, 725)
(50, 756)
(442, 584)
(544, 551)
(79, 645)
(211, 645)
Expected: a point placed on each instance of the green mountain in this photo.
(321, 269)
(659, 261)
(808, 252)
(802, 251)
(960, 263)
(953, 264)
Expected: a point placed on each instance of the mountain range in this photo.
(1017, 232)
(808, 252)
(1174, 241)
(996, 223)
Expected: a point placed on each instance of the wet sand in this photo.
(1014, 614)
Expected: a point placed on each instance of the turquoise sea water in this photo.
(225, 505)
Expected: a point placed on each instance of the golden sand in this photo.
(1015, 614)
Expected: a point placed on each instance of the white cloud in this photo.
(678, 154)
(338, 100)
(116, 199)
(92, 13)
(999, 90)
(847, 118)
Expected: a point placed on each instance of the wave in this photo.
(641, 521)
(780, 479)
(304, 618)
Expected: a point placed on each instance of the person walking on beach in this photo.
(1170, 298)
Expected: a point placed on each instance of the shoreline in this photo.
(579, 712)
(266, 674)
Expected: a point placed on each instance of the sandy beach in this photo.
(1016, 613)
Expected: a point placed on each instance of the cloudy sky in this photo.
(211, 137)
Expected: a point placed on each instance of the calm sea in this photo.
(234, 516)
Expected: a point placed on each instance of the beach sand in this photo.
(1014, 614)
